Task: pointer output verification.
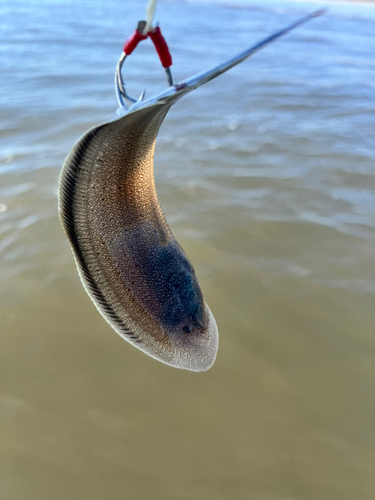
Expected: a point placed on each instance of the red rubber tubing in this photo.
(132, 42)
(161, 47)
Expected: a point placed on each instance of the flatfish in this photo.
(132, 267)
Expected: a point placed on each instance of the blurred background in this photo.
(267, 178)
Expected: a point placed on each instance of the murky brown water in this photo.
(267, 179)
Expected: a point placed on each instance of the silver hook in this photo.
(120, 85)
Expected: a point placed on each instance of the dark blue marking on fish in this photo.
(160, 277)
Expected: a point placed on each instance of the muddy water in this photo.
(267, 179)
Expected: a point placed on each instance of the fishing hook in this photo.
(163, 53)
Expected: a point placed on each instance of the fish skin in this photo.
(111, 214)
(132, 267)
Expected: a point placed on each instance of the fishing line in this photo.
(150, 14)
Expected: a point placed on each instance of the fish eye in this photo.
(186, 329)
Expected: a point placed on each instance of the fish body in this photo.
(130, 264)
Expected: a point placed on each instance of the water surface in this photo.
(267, 178)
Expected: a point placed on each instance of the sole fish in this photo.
(132, 267)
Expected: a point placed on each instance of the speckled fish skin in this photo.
(132, 267)
(130, 264)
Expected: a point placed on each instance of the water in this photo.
(267, 179)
